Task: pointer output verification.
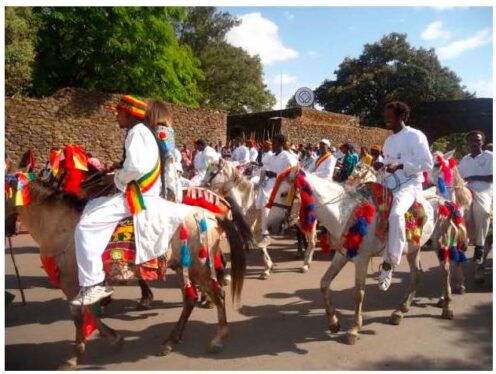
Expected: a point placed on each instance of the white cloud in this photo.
(259, 36)
(482, 88)
(441, 8)
(435, 31)
(456, 48)
(286, 79)
(285, 99)
(289, 16)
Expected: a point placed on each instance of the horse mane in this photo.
(241, 182)
(463, 195)
(42, 194)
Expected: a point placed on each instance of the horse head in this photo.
(219, 175)
(362, 173)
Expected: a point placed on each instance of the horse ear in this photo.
(449, 154)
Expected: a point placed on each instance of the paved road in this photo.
(279, 326)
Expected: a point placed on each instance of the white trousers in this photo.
(403, 199)
(261, 200)
(478, 217)
(93, 232)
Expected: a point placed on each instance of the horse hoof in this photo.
(335, 327)
(459, 290)
(405, 309)
(396, 319)
(215, 348)
(304, 269)
(447, 314)
(264, 276)
(68, 365)
(164, 350)
(351, 338)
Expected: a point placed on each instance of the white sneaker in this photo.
(385, 277)
(92, 294)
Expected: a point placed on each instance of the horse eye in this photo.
(284, 194)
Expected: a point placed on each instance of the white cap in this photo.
(326, 142)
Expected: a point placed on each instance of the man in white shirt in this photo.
(477, 170)
(278, 162)
(406, 156)
(252, 150)
(324, 165)
(204, 156)
(309, 158)
(241, 154)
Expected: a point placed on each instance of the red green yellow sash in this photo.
(321, 159)
(135, 190)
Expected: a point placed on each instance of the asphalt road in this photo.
(280, 324)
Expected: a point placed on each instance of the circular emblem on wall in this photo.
(304, 96)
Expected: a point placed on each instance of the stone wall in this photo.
(303, 125)
(78, 117)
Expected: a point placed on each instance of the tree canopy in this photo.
(116, 49)
(388, 70)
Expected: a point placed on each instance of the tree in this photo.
(387, 70)
(118, 49)
(233, 79)
(20, 33)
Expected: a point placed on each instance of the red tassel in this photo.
(458, 220)
(191, 292)
(326, 248)
(183, 233)
(452, 162)
(190, 201)
(218, 261)
(203, 252)
(204, 203)
(443, 210)
(89, 322)
(51, 269)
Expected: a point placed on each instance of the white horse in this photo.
(223, 178)
(458, 192)
(335, 206)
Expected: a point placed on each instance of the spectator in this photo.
(309, 157)
(376, 153)
(253, 151)
(365, 156)
(186, 157)
(349, 161)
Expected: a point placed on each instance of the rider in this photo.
(140, 187)
(204, 156)
(477, 170)
(406, 156)
(324, 165)
(277, 163)
(241, 153)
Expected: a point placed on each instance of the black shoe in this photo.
(479, 255)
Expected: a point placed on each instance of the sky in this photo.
(306, 45)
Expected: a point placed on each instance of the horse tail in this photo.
(238, 259)
(239, 220)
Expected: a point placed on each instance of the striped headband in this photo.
(132, 105)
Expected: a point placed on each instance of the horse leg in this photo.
(299, 238)
(361, 266)
(177, 332)
(268, 264)
(146, 296)
(218, 298)
(459, 278)
(310, 249)
(112, 336)
(414, 263)
(447, 311)
(80, 343)
(325, 287)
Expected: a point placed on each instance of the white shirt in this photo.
(480, 165)
(325, 169)
(241, 154)
(203, 158)
(410, 148)
(253, 154)
(280, 162)
(266, 156)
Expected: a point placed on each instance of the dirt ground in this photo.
(280, 324)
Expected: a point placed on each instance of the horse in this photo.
(223, 177)
(51, 217)
(336, 207)
(457, 190)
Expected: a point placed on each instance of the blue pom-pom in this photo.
(350, 253)
(309, 207)
(362, 226)
(461, 257)
(454, 254)
(186, 260)
(203, 225)
(441, 185)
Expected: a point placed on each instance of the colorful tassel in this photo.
(190, 292)
(186, 260)
(218, 264)
(183, 233)
(203, 254)
(203, 225)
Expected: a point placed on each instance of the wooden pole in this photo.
(16, 271)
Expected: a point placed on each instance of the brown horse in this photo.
(51, 217)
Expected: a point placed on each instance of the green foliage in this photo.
(117, 49)
(387, 70)
(233, 79)
(453, 141)
(20, 33)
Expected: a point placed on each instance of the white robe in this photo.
(410, 148)
(153, 227)
(253, 154)
(325, 169)
(241, 155)
(201, 162)
(479, 215)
